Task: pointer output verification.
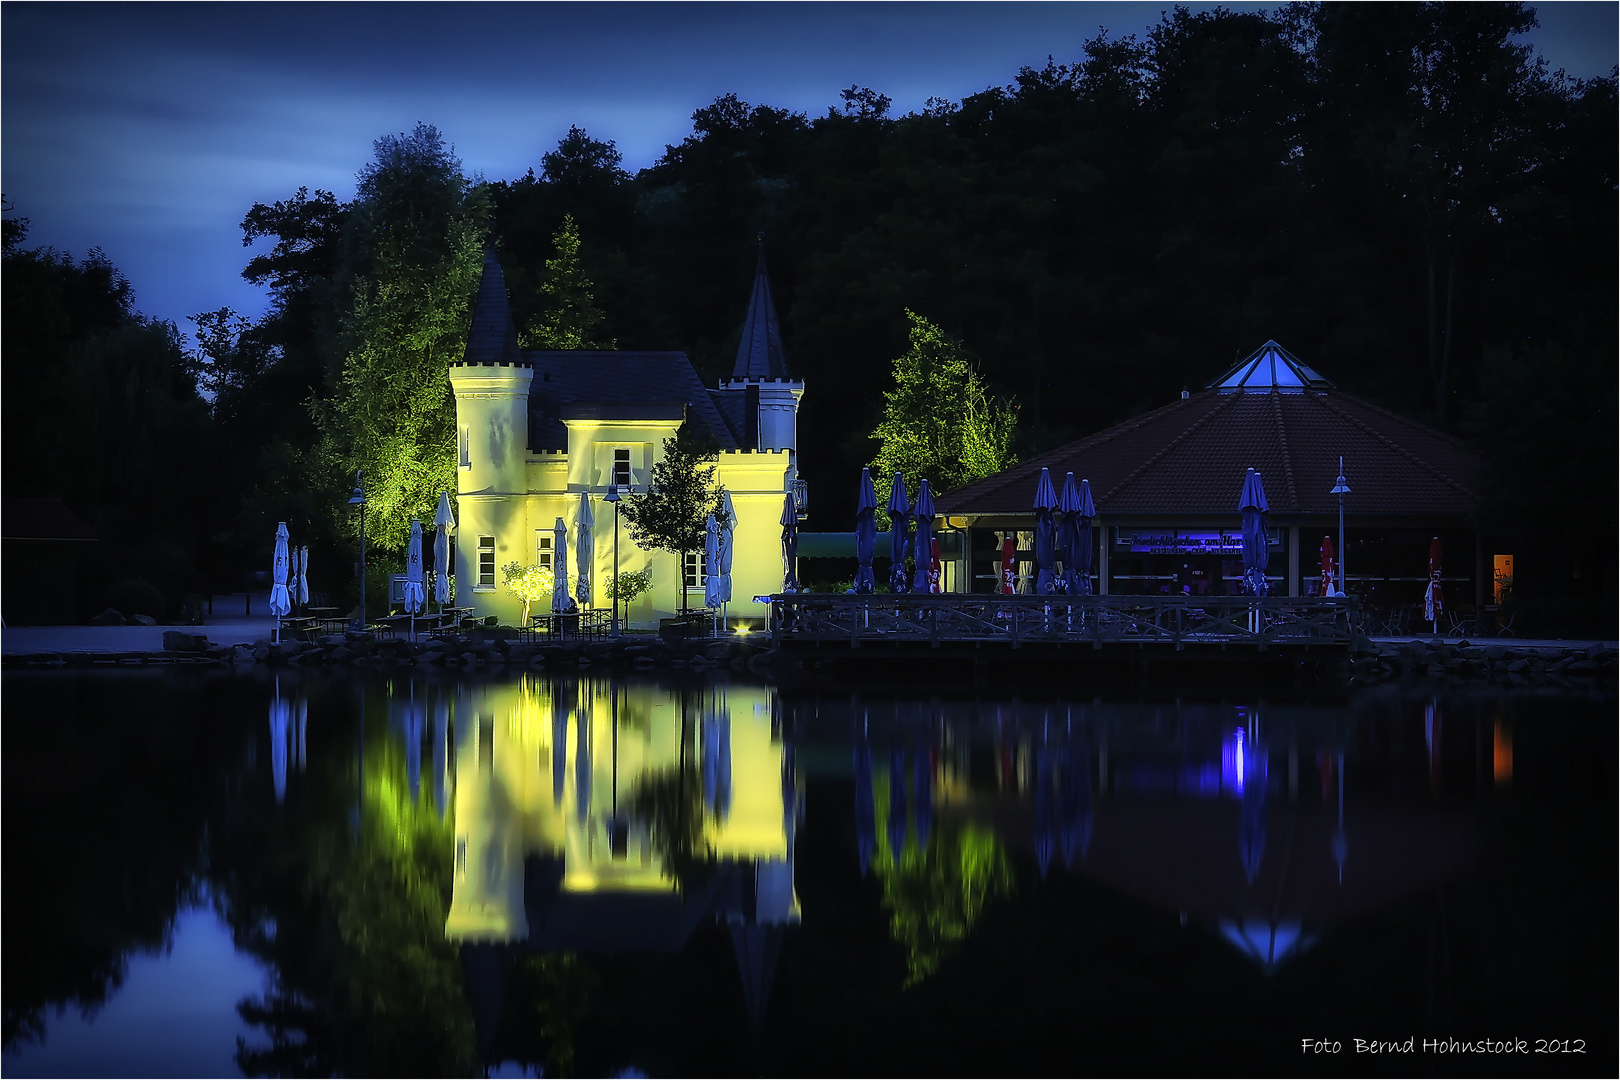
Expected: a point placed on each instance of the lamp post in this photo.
(612, 496)
(359, 499)
(1341, 489)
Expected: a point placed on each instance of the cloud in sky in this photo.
(149, 129)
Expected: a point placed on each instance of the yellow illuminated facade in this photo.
(579, 772)
(613, 411)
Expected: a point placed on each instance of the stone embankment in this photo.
(1507, 664)
(494, 650)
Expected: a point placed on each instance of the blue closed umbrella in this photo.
(1256, 549)
(899, 509)
(922, 552)
(790, 544)
(1082, 540)
(865, 534)
(1069, 537)
(1046, 504)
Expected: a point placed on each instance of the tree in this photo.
(939, 421)
(568, 317)
(529, 583)
(418, 226)
(673, 513)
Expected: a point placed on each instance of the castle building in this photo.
(538, 429)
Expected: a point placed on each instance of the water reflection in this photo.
(1195, 808)
(583, 874)
(593, 816)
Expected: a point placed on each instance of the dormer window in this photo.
(621, 468)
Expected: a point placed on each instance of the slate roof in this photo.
(492, 337)
(1189, 458)
(759, 353)
(565, 378)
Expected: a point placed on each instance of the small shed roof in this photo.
(1189, 458)
(41, 519)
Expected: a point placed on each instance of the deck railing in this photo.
(1177, 621)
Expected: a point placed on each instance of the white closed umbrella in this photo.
(585, 547)
(728, 525)
(560, 600)
(280, 598)
(302, 595)
(415, 591)
(711, 559)
(443, 521)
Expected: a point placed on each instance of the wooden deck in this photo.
(1162, 622)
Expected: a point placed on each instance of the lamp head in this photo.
(358, 498)
(612, 495)
(1340, 487)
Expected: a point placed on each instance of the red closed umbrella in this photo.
(1009, 570)
(1327, 567)
(1431, 598)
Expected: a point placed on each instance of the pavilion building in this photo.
(1166, 487)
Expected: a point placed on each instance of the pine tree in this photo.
(568, 317)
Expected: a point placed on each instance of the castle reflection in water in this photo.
(600, 815)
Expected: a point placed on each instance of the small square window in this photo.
(542, 547)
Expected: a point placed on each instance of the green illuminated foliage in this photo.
(934, 895)
(628, 585)
(940, 421)
(419, 228)
(568, 316)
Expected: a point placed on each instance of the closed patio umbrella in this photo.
(301, 594)
(865, 534)
(280, 598)
(1432, 603)
(1082, 539)
(585, 548)
(899, 510)
(443, 522)
(1046, 504)
(720, 571)
(1256, 549)
(711, 559)
(923, 544)
(790, 544)
(560, 600)
(415, 591)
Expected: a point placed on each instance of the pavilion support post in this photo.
(1293, 560)
(1104, 548)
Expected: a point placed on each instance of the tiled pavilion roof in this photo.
(1189, 458)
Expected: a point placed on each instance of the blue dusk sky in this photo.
(149, 129)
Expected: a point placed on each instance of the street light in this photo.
(359, 499)
(1341, 489)
(612, 496)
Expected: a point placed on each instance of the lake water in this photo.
(234, 872)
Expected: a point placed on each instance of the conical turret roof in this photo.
(492, 338)
(760, 354)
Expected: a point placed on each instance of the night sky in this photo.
(149, 129)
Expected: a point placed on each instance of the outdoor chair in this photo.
(1395, 622)
(1505, 627)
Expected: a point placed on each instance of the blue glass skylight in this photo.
(1270, 367)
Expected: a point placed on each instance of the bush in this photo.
(134, 596)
